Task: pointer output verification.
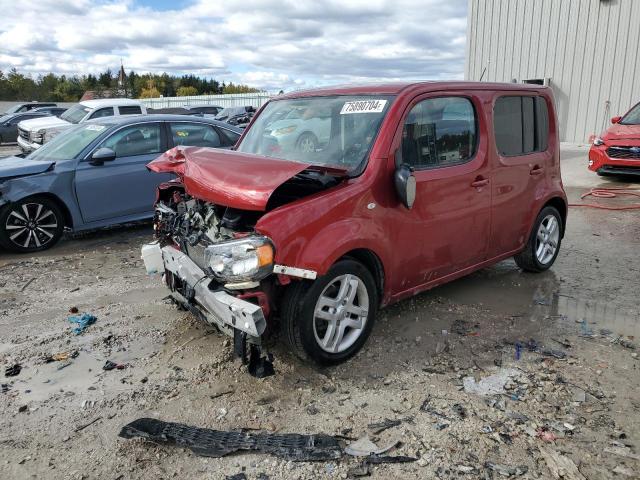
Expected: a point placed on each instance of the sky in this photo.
(268, 44)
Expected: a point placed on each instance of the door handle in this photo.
(480, 182)
(537, 170)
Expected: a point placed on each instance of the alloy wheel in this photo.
(341, 313)
(31, 225)
(547, 239)
(307, 145)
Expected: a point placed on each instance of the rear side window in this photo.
(135, 140)
(231, 138)
(195, 135)
(439, 132)
(130, 110)
(521, 125)
(103, 112)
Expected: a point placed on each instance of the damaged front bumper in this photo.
(190, 287)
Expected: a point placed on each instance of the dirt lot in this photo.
(577, 415)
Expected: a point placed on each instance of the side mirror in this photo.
(405, 183)
(616, 119)
(102, 155)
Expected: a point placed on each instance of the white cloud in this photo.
(266, 43)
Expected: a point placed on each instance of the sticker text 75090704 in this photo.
(363, 106)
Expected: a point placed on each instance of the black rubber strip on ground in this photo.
(216, 443)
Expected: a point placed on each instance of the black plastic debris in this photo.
(379, 427)
(13, 370)
(237, 476)
(109, 365)
(459, 410)
(363, 469)
(4, 388)
(216, 443)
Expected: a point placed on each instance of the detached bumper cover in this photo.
(218, 307)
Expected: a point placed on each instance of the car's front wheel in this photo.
(307, 143)
(30, 225)
(544, 243)
(329, 320)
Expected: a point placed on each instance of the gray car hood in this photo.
(20, 167)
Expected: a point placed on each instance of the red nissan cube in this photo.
(617, 150)
(338, 201)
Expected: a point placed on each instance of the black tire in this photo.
(528, 260)
(307, 137)
(298, 308)
(42, 229)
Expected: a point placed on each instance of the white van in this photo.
(35, 132)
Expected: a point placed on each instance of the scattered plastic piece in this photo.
(83, 322)
(4, 388)
(215, 443)
(506, 470)
(379, 427)
(546, 435)
(109, 365)
(57, 357)
(364, 447)
(73, 310)
(13, 370)
(491, 385)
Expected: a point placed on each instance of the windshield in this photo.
(15, 108)
(632, 117)
(230, 111)
(68, 144)
(333, 131)
(75, 113)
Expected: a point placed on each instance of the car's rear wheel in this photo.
(30, 225)
(543, 246)
(329, 320)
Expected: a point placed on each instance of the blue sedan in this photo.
(94, 176)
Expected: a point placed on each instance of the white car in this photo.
(33, 133)
(305, 133)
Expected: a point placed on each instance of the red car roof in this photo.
(395, 88)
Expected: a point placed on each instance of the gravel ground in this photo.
(61, 419)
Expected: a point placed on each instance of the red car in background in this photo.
(617, 150)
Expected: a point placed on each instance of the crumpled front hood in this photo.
(622, 132)
(20, 167)
(36, 124)
(225, 177)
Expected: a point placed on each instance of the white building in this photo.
(588, 51)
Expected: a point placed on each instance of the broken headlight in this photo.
(242, 260)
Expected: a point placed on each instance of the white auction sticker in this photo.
(97, 128)
(363, 106)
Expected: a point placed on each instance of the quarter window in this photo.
(103, 112)
(194, 135)
(521, 125)
(439, 132)
(130, 110)
(141, 139)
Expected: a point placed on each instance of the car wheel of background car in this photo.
(307, 143)
(329, 320)
(544, 243)
(30, 225)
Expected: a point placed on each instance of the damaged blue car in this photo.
(94, 176)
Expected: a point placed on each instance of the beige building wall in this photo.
(587, 50)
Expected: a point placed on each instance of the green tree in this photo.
(186, 91)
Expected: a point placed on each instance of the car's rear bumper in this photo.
(189, 287)
(26, 146)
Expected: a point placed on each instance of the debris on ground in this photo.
(464, 328)
(379, 427)
(58, 357)
(109, 365)
(561, 467)
(364, 447)
(506, 470)
(13, 370)
(215, 443)
(83, 322)
(490, 385)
